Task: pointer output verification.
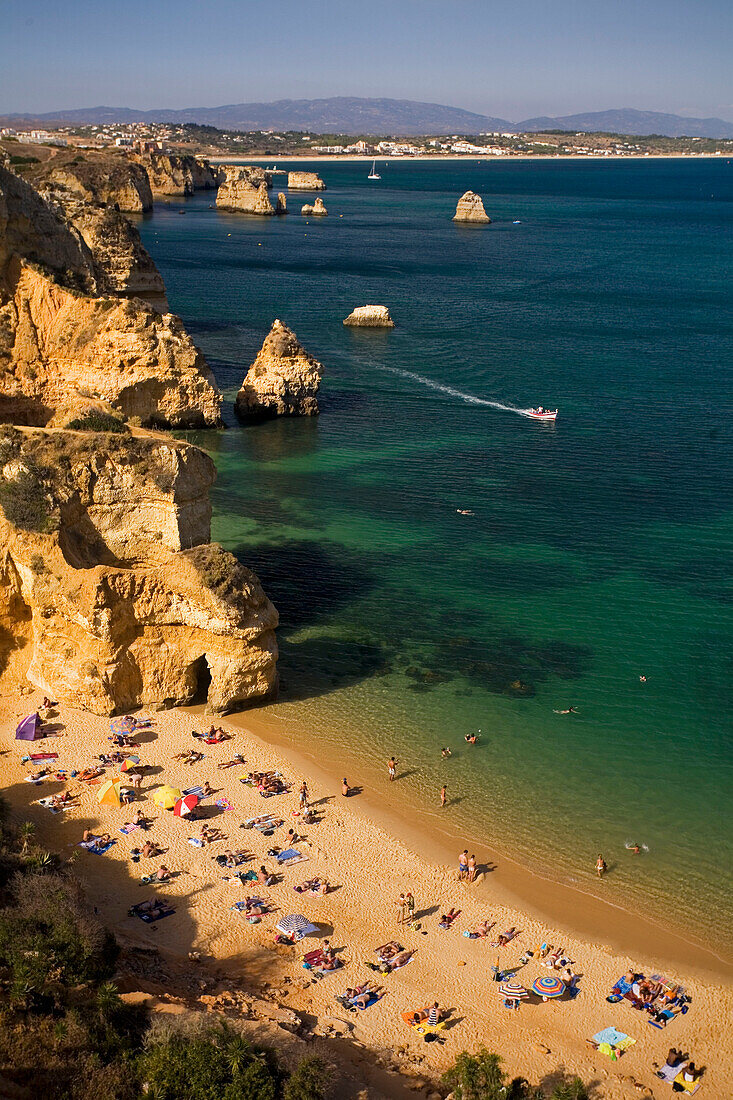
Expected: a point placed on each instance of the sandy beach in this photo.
(352, 838)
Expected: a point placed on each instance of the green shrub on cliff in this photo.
(216, 1064)
(480, 1077)
(97, 422)
(24, 502)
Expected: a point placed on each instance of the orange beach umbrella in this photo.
(109, 793)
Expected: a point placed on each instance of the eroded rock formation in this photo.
(60, 340)
(470, 208)
(283, 380)
(255, 174)
(305, 181)
(238, 194)
(282, 204)
(369, 317)
(106, 179)
(107, 580)
(173, 174)
(316, 210)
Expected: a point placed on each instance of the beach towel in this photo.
(129, 828)
(680, 1085)
(224, 804)
(150, 918)
(249, 876)
(662, 1020)
(89, 845)
(47, 804)
(668, 1073)
(36, 756)
(198, 791)
(288, 854)
(195, 842)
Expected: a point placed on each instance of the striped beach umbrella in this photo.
(129, 762)
(123, 726)
(166, 797)
(186, 805)
(513, 991)
(548, 987)
(295, 924)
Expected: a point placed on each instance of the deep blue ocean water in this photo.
(599, 549)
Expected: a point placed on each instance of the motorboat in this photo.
(374, 174)
(541, 414)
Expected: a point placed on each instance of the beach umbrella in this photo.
(109, 793)
(166, 797)
(295, 924)
(184, 806)
(548, 987)
(29, 729)
(513, 991)
(122, 726)
(130, 762)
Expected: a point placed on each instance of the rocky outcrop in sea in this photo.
(470, 208)
(239, 195)
(282, 204)
(283, 380)
(172, 174)
(314, 210)
(369, 317)
(305, 181)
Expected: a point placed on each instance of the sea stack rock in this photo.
(369, 317)
(238, 194)
(316, 210)
(305, 181)
(470, 208)
(282, 204)
(283, 380)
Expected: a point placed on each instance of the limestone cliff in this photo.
(282, 204)
(102, 178)
(316, 210)
(305, 181)
(172, 174)
(239, 195)
(107, 585)
(283, 380)
(123, 266)
(60, 340)
(369, 317)
(470, 208)
(254, 174)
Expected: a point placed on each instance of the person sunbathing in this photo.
(504, 937)
(254, 907)
(150, 849)
(362, 994)
(483, 929)
(389, 950)
(101, 842)
(89, 773)
(447, 919)
(162, 874)
(236, 759)
(330, 963)
(58, 801)
(675, 1058)
(399, 960)
(264, 877)
(152, 906)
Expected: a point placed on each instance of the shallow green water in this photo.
(599, 549)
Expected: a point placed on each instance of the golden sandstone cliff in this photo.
(369, 317)
(305, 181)
(173, 174)
(315, 210)
(283, 380)
(110, 594)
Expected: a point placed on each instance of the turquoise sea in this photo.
(599, 549)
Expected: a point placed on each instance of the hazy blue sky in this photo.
(512, 59)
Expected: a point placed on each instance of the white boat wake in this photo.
(469, 398)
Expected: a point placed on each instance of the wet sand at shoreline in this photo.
(351, 842)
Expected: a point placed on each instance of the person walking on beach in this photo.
(401, 906)
(303, 794)
(463, 865)
(471, 869)
(601, 867)
(391, 768)
(443, 795)
(410, 903)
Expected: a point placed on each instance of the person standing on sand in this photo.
(303, 794)
(463, 865)
(410, 900)
(443, 795)
(601, 867)
(401, 906)
(471, 868)
(391, 768)
(345, 789)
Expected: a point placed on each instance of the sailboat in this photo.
(374, 174)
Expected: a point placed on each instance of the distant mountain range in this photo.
(388, 117)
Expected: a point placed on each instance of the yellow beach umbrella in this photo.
(166, 797)
(109, 793)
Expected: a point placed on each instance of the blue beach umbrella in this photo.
(548, 987)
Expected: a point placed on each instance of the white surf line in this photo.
(469, 398)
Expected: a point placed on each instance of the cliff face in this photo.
(97, 578)
(58, 342)
(56, 345)
(123, 266)
(254, 174)
(239, 195)
(104, 179)
(170, 174)
(305, 181)
(283, 380)
(470, 208)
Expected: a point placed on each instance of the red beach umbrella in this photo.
(186, 805)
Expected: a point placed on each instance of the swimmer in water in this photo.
(471, 738)
(600, 866)
(642, 679)
(635, 848)
(570, 710)
(445, 753)
(464, 511)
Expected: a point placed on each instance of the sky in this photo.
(511, 59)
